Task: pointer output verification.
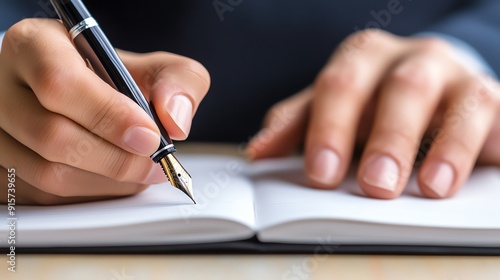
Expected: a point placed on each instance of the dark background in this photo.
(263, 51)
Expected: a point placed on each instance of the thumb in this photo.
(283, 129)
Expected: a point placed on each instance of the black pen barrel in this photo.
(71, 12)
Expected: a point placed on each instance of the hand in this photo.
(69, 135)
(406, 101)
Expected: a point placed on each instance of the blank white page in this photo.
(159, 215)
(282, 197)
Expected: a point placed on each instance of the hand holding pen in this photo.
(82, 140)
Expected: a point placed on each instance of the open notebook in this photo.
(239, 200)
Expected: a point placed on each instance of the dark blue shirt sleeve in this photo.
(12, 11)
(479, 26)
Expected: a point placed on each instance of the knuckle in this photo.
(108, 112)
(327, 131)
(197, 69)
(23, 31)
(434, 45)
(400, 136)
(122, 166)
(463, 147)
(274, 112)
(360, 37)
(488, 91)
(345, 81)
(417, 74)
(201, 73)
(49, 177)
(52, 82)
(52, 136)
(370, 32)
(277, 108)
(367, 36)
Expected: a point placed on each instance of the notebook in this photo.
(267, 202)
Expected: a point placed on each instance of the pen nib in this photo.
(177, 175)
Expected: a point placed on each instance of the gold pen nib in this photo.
(177, 175)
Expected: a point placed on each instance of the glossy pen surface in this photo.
(100, 55)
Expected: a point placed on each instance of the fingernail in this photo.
(142, 140)
(180, 109)
(325, 167)
(155, 176)
(439, 178)
(382, 172)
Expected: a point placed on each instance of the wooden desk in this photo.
(236, 267)
(137, 267)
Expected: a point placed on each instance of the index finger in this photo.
(341, 93)
(51, 66)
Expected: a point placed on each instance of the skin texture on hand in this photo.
(70, 136)
(406, 101)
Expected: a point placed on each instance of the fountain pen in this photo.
(99, 54)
